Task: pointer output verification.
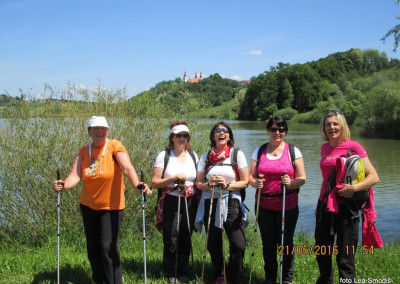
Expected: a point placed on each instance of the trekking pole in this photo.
(261, 176)
(180, 187)
(283, 226)
(222, 227)
(189, 231)
(141, 187)
(58, 229)
(208, 232)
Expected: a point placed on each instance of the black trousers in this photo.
(270, 223)
(174, 242)
(345, 227)
(237, 241)
(102, 228)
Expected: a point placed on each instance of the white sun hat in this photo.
(179, 128)
(97, 121)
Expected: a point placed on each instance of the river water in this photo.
(383, 154)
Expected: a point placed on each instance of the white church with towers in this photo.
(196, 78)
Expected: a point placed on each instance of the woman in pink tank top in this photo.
(272, 160)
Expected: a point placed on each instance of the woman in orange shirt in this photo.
(101, 165)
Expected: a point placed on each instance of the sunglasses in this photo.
(219, 130)
(280, 130)
(334, 111)
(179, 135)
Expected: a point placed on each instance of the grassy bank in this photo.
(39, 265)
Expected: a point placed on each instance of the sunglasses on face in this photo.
(334, 111)
(280, 130)
(219, 130)
(179, 135)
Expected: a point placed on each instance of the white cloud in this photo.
(236, 77)
(254, 52)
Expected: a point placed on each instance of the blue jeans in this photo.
(102, 228)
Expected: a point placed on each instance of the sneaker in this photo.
(173, 280)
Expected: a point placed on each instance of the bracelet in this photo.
(227, 186)
(208, 184)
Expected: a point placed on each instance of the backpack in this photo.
(291, 153)
(166, 160)
(233, 164)
(352, 171)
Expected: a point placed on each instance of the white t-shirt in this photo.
(175, 167)
(226, 170)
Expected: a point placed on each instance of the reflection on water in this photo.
(383, 154)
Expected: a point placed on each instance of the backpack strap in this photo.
(259, 153)
(291, 153)
(166, 160)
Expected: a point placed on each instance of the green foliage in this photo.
(286, 113)
(37, 138)
(184, 97)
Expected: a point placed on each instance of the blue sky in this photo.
(136, 44)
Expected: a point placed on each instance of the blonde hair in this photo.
(345, 130)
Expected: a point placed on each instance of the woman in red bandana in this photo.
(216, 171)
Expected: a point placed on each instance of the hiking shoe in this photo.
(172, 280)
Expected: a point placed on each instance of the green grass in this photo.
(228, 110)
(39, 265)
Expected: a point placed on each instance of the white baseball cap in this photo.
(97, 121)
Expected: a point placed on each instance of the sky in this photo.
(134, 45)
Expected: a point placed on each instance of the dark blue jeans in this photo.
(102, 228)
(270, 222)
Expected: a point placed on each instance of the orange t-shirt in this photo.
(103, 183)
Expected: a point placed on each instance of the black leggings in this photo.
(171, 240)
(102, 228)
(270, 222)
(237, 241)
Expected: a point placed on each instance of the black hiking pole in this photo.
(180, 189)
(141, 187)
(283, 226)
(208, 232)
(261, 176)
(189, 231)
(222, 227)
(58, 229)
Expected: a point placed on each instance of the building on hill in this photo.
(244, 82)
(192, 80)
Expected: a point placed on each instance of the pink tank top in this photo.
(272, 171)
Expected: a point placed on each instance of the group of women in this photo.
(208, 192)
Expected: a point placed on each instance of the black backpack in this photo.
(234, 166)
(291, 153)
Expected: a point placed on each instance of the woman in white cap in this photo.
(101, 165)
(174, 167)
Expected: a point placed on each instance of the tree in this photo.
(395, 31)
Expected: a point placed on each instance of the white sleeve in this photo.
(297, 153)
(159, 163)
(241, 160)
(202, 163)
(255, 154)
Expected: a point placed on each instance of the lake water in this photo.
(383, 154)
